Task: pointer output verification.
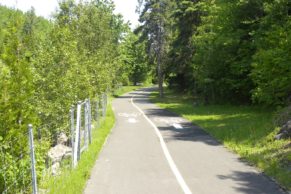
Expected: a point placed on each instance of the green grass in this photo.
(246, 130)
(74, 181)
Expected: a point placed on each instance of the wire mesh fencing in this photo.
(26, 159)
(18, 164)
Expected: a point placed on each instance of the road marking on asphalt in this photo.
(132, 120)
(168, 156)
(177, 126)
(124, 114)
(175, 122)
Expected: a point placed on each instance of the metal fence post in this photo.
(72, 111)
(97, 110)
(103, 105)
(89, 121)
(32, 156)
(77, 136)
(105, 96)
(86, 124)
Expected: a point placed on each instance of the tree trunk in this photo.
(160, 53)
(160, 76)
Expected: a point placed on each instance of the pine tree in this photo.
(155, 19)
(186, 20)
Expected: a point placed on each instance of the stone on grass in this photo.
(285, 131)
(55, 168)
(62, 138)
(57, 153)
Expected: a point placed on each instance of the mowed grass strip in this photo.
(246, 130)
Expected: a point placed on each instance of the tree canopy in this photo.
(48, 66)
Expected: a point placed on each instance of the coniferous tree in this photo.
(155, 19)
(186, 20)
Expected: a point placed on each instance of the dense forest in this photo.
(221, 51)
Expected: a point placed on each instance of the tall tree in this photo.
(186, 20)
(134, 59)
(272, 61)
(224, 49)
(155, 19)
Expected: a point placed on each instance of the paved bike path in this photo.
(153, 151)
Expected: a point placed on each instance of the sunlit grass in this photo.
(246, 130)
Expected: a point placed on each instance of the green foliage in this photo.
(229, 51)
(156, 33)
(272, 61)
(180, 68)
(74, 181)
(16, 110)
(134, 60)
(48, 66)
(224, 50)
(79, 56)
(15, 166)
(234, 52)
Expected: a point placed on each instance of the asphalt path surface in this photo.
(153, 151)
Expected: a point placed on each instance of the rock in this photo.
(279, 136)
(62, 138)
(55, 168)
(42, 191)
(287, 146)
(285, 131)
(67, 155)
(283, 128)
(57, 153)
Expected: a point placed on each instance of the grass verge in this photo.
(246, 130)
(73, 181)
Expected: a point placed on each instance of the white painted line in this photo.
(177, 126)
(132, 120)
(168, 156)
(123, 114)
